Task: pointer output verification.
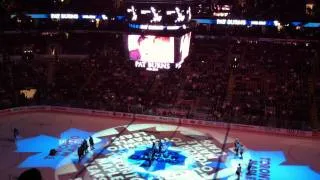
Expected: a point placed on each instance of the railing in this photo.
(172, 120)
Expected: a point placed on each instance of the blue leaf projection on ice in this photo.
(66, 147)
(171, 158)
(161, 161)
(267, 164)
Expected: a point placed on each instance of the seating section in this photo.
(246, 81)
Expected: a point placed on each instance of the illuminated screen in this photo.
(151, 48)
(184, 49)
(185, 45)
(158, 14)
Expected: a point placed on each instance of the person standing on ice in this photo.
(249, 166)
(15, 133)
(238, 172)
(91, 143)
(80, 153)
(85, 146)
(236, 146)
(241, 149)
(153, 146)
(160, 146)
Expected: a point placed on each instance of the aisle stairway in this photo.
(230, 88)
(50, 72)
(313, 78)
(313, 105)
(154, 84)
(87, 81)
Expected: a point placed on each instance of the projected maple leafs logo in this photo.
(225, 169)
(66, 147)
(267, 165)
(161, 161)
(183, 165)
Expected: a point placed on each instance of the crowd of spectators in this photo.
(271, 84)
(247, 81)
(285, 31)
(207, 79)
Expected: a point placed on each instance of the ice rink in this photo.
(121, 144)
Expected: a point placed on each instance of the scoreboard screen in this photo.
(156, 52)
(150, 48)
(158, 14)
(184, 49)
(149, 45)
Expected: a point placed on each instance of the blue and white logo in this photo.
(189, 154)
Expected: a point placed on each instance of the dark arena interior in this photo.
(159, 90)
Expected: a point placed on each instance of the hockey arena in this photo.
(122, 143)
(160, 90)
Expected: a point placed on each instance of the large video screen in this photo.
(158, 14)
(150, 48)
(183, 49)
(185, 45)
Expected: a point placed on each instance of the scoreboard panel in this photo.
(158, 36)
(156, 52)
(158, 14)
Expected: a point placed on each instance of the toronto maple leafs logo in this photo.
(66, 146)
(120, 153)
(187, 154)
(266, 165)
(201, 157)
(151, 160)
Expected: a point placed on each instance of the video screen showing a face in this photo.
(151, 48)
